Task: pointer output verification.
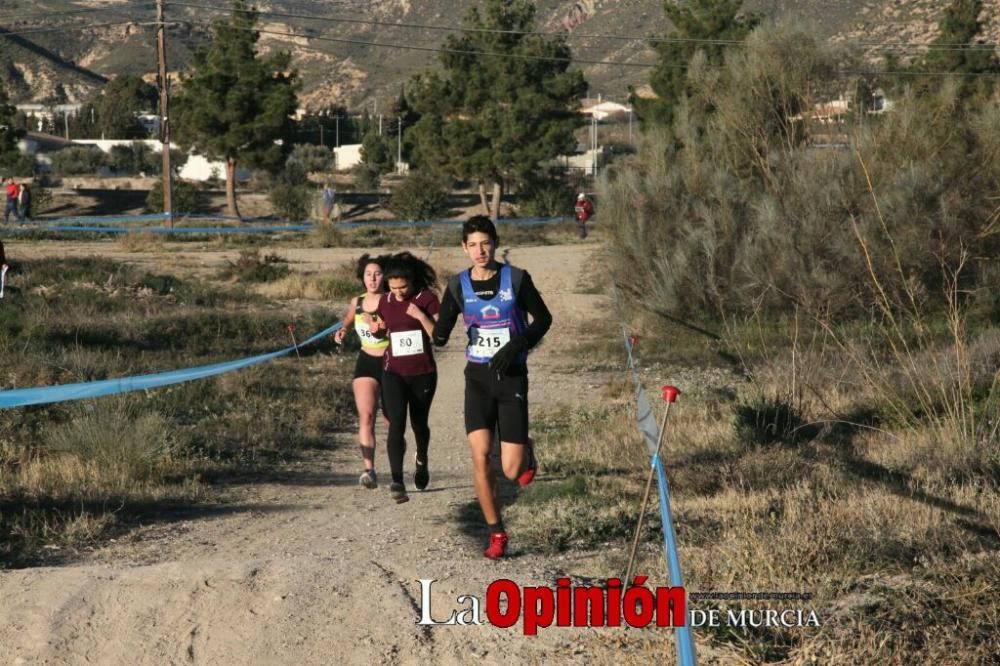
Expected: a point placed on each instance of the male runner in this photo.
(495, 300)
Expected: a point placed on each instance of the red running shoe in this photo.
(528, 475)
(497, 547)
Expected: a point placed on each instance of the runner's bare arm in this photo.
(346, 322)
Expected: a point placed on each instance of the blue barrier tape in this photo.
(270, 229)
(521, 221)
(100, 219)
(650, 432)
(80, 391)
(107, 225)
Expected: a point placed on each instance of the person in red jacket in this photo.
(584, 209)
(12, 191)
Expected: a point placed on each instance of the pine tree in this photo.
(9, 134)
(719, 22)
(235, 105)
(118, 104)
(495, 117)
(959, 48)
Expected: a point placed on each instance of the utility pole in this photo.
(337, 118)
(380, 124)
(399, 147)
(593, 144)
(161, 54)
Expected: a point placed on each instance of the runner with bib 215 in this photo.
(495, 301)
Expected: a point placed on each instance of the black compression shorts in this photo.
(368, 366)
(491, 403)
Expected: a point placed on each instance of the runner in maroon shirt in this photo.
(407, 315)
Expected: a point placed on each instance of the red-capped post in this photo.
(669, 394)
(291, 332)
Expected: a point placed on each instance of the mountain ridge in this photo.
(338, 68)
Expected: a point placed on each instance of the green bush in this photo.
(125, 446)
(366, 178)
(420, 196)
(547, 196)
(313, 158)
(78, 161)
(290, 195)
(291, 202)
(732, 211)
(187, 197)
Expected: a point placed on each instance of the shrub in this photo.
(547, 196)
(290, 196)
(420, 196)
(366, 178)
(133, 159)
(313, 158)
(186, 197)
(250, 266)
(123, 447)
(746, 216)
(78, 161)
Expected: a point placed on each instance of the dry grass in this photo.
(896, 535)
(74, 473)
(140, 241)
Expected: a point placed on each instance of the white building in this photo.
(346, 156)
(197, 167)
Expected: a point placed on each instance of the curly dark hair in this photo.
(416, 271)
(380, 260)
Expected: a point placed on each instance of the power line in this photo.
(33, 31)
(518, 56)
(573, 60)
(644, 39)
(20, 15)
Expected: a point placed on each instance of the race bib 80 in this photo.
(407, 343)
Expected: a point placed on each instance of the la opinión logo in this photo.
(611, 605)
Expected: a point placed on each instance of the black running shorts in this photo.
(368, 366)
(496, 403)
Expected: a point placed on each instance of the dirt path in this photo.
(305, 567)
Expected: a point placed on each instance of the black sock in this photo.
(496, 528)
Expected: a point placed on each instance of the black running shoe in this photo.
(421, 477)
(397, 491)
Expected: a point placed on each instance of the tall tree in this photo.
(236, 105)
(495, 117)
(959, 47)
(710, 26)
(9, 134)
(119, 103)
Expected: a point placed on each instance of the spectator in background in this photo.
(328, 200)
(12, 191)
(24, 202)
(584, 209)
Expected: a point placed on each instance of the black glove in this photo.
(507, 354)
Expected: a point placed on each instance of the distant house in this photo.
(832, 112)
(596, 108)
(346, 156)
(49, 111)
